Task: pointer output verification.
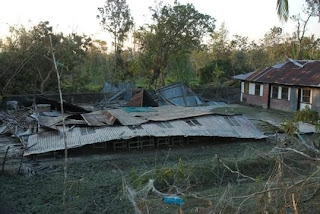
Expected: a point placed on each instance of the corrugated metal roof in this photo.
(180, 95)
(139, 115)
(163, 113)
(243, 76)
(291, 72)
(236, 126)
(99, 118)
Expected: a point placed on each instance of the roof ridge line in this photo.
(266, 70)
(295, 62)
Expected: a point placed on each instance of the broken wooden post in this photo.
(21, 160)
(4, 159)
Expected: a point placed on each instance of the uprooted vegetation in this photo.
(263, 183)
(240, 177)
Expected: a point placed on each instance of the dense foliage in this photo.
(180, 44)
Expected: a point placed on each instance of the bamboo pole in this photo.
(65, 166)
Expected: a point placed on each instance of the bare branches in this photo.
(298, 152)
(22, 64)
(232, 171)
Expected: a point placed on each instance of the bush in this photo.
(307, 116)
(289, 127)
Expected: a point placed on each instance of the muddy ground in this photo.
(97, 184)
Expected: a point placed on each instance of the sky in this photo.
(251, 18)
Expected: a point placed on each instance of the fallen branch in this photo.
(232, 171)
(298, 152)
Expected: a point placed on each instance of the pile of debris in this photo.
(139, 125)
(165, 117)
(176, 94)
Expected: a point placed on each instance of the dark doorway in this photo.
(299, 99)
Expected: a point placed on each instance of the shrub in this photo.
(289, 127)
(307, 115)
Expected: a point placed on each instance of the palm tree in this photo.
(283, 9)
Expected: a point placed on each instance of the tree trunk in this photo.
(43, 82)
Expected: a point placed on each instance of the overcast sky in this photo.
(252, 18)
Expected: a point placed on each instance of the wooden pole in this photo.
(4, 160)
(65, 166)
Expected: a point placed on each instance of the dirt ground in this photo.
(100, 183)
(95, 185)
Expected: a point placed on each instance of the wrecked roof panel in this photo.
(99, 118)
(125, 118)
(180, 95)
(186, 101)
(68, 107)
(177, 112)
(142, 99)
(51, 121)
(163, 113)
(123, 94)
(236, 126)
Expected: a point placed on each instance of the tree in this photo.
(25, 62)
(283, 8)
(115, 18)
(216, 72)
(274, 46)
(220, 44)
(181, 70)
(310, 10)
(177, 29)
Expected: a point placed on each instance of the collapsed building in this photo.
(138, 128)
(144, 122)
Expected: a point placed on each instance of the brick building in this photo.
(288, 86)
